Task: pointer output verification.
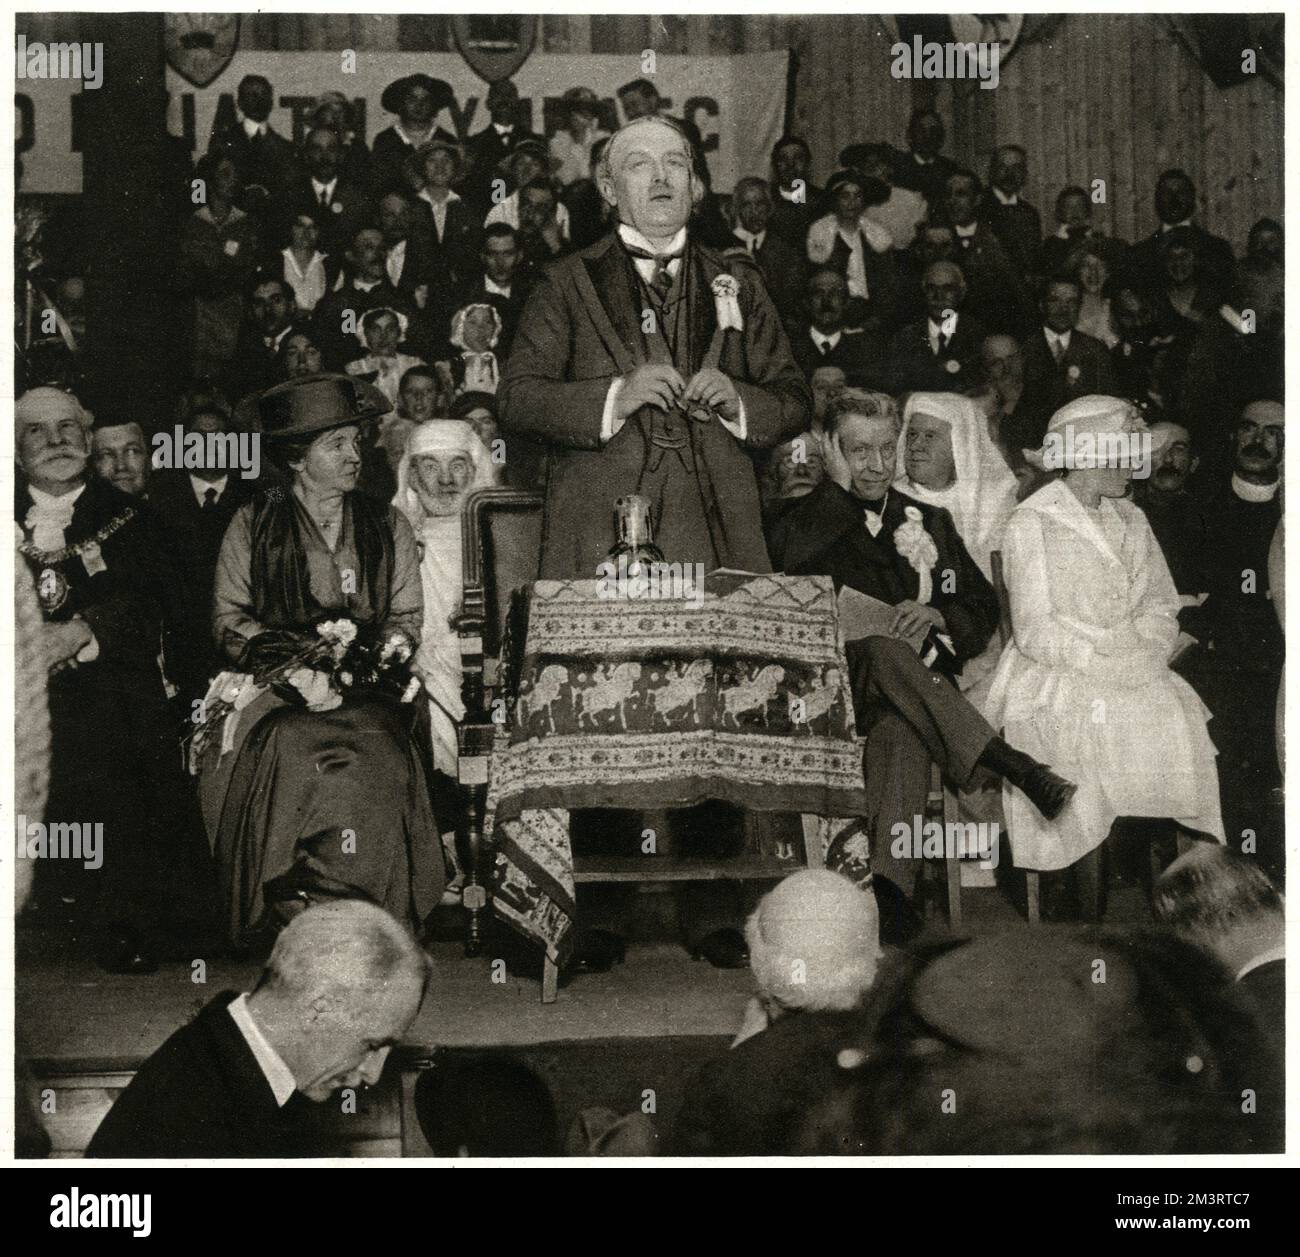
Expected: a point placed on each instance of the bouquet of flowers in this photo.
(316, 672)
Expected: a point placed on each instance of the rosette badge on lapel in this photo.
(726, 303)
(918, 548)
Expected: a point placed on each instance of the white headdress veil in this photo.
(438, 658)
(983, 492)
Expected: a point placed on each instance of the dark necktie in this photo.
(209, 499)
(944, 341)
(324, 197)
(661, 281)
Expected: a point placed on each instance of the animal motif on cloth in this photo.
(753, 694)
(683, 690)
(613, 686)
(544, 695)
(807, 708)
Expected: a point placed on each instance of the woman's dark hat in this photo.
(873, 191)
(312, 404)
(472, 401)
(396, 90)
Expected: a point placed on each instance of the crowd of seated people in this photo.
(357, 307)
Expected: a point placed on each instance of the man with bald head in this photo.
(98, 565)
(940, 353)
(649, 363)
(343, 984)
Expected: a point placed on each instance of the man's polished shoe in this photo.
(597, 951)
(1047, 791)
(723, 949)
(123, 951)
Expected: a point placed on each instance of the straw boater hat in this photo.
(312, 404)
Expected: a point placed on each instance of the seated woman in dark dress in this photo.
(310, 794)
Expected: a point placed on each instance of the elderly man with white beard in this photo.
(443, 463)
(97, 562)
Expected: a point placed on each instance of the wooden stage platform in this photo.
(648, 1023)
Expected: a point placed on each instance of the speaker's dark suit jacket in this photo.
(202, 1094)
(583, 328)
(917, 368)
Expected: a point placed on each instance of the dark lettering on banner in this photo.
(24, 123)
(709, 107)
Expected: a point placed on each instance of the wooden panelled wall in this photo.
(1113, 97)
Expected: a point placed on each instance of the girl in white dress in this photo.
(1085, 682)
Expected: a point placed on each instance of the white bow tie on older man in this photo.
(49, 517)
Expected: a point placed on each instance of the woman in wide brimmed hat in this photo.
(417, 100)
(1085, 680)
(571, 145)
(857, 247)
(317, 791)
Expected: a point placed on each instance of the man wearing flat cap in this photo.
(417, 100)
(97, 561)
(648, 363)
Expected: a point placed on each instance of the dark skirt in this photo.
(334, 803)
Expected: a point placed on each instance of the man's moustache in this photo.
(1256, 450)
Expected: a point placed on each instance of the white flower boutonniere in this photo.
(952, 366)
(1072, 373)
(918, 548)
(726, 293)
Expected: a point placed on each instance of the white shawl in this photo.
(438, 659)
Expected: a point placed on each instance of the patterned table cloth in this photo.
(740, 695)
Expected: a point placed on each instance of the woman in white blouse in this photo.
(570, 147)
(1085, 681)
(304, 264)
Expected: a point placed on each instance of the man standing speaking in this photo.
(649, 364)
